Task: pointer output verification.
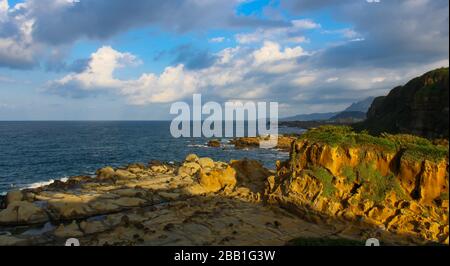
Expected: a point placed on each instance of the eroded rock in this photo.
(22, 212)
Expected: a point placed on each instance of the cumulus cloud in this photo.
(237, 71)
(98, 75)
(269, 71)
(383, 44)
(17, 48)
(30, 29)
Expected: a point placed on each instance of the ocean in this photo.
(36, 153)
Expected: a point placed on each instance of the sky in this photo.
(130, 60)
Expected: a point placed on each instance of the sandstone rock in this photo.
(218, 179)
(214, 143)
(124, 174)
(252, 174)
(106, 173)
(136, 166)
(103, 206)
(191, 158)
(128, 202)
(70, 207)
(206, 163)
(93, 227)
(22, 212)
(68, 231)
(189, 169)
(162, 169)
(284, 142)
(14, 196)
(12, 241)
(128, 192)
(169, 196)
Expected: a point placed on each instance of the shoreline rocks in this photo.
(214, 143)
(284, 142)
(205, 202)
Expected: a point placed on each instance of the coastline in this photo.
(205, 202)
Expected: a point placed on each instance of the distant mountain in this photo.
(310, 117)
(355, 109)
(420, 107)
(362, 106)
(349, 117)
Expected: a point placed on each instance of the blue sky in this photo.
(129, 60)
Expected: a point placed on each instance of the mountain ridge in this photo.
(357, 107)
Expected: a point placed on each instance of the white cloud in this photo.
(291, 34)
(17, 48)
(100, 72)
(271, 52)
(332, 79)
(378, 79)
(32, 29)
(229, 75)
(217, 39)
(270, 71)
(304, 80)
(305, 24)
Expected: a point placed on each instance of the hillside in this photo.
(353, 112)
(361, 106)
(420, 107)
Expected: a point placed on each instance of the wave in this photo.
(197, 146)
(42, 183)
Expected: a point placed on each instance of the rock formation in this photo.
(398, 184)
(200, 202)
(214, 143)
(421, 107)
(284, 142)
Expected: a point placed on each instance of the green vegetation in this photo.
(350, 175)
(319, 242)
(376, 185)
(326, 179)
(414, 147)
(443, 196)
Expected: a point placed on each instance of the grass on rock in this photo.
(415, 148)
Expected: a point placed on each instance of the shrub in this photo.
(326, 179)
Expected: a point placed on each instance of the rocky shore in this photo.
(200, 202)
(337, 185)
(284, 142)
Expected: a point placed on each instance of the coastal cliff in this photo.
(420, 107)
(397, 183)
(337, 187)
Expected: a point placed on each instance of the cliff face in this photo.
(392, 183)
(421, 107)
